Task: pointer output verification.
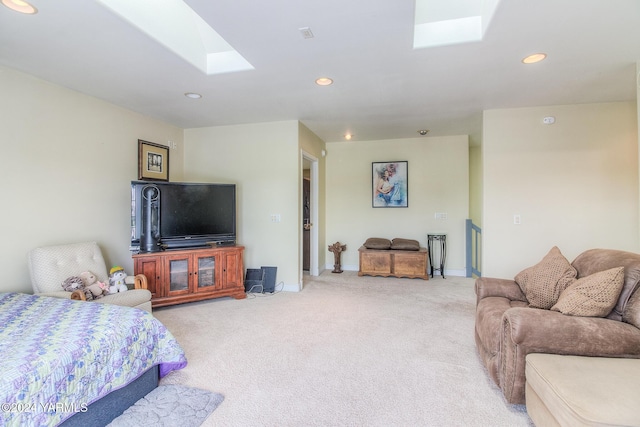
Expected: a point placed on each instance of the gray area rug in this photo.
(170, 405)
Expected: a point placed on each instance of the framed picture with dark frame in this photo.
(389, 184)
(153, 161)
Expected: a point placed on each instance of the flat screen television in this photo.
(182, 215)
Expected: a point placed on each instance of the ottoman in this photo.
(582, 391)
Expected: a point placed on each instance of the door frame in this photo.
(313, 214)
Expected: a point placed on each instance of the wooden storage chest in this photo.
(393, 263)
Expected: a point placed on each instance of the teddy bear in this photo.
(98, 289)
(75, 283)
(116, 280)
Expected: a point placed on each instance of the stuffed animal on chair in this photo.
(75, 283)
(116, 280)
(98, 289)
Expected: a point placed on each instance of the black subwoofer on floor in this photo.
(269, 283)
(254, 280)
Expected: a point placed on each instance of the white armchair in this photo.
(49, 266)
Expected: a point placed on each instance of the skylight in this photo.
(446, 22)
(175, 25)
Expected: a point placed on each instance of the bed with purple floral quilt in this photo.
(58, 356)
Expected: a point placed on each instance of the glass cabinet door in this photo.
(178, 275)
(206, 273)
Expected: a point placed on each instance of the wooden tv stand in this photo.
(393, 263)
(179, 276)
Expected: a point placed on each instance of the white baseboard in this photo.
(344, 267)
(447, 272)
(293, 287)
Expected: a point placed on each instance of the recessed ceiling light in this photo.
(193, 95)
(536, 57)
(348, 137)
(423, 132)
(324, 81)
(20, 6)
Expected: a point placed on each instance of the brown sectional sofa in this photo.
(507, 328)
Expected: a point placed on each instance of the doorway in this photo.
(306, 222)
(309, 216)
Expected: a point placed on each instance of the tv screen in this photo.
(190, 214)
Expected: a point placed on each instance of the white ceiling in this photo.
(383, 88)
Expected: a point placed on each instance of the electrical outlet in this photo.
(517, 220)
(276, 218)
(441, 215)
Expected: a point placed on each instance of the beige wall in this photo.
(263, 160)
(438, 180)
(66, 166)
(574, 183)
(68, 159)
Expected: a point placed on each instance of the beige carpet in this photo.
(345, 351)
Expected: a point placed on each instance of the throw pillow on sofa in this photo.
(543, 283)
(593, 296)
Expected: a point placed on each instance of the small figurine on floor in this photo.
(337, 249)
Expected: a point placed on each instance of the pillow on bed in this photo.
(593, 296)
(543, 283)
(377, 243)
(405, 244)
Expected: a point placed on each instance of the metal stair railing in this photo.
(474, 245)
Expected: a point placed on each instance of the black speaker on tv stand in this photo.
(269, 283)
(150, 234)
